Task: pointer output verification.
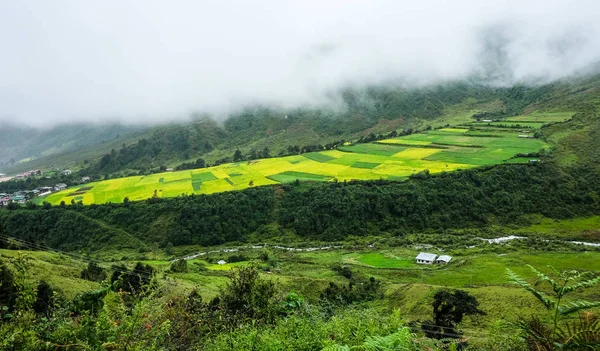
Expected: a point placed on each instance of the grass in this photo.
(367, 165)
(407, 286)
(378, 260)
(437, 150)
(373, 149)
(319, 157)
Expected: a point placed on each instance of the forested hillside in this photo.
(45, 142)
(327, 212)
(364, 111)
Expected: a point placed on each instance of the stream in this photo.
(499, 240)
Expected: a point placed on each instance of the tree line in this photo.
(319, 211)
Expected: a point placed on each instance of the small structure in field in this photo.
(221, 262)
(443, 259)
(426, 258)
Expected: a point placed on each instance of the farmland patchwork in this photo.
(447, 149)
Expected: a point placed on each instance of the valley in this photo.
(437, 150)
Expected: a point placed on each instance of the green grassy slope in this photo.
(435, 151)
(38, 148)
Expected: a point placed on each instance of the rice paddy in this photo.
(438, 150)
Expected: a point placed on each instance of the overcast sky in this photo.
(144, 60)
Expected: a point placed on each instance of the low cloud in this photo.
(152, 61)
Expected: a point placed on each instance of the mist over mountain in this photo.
(68, 61)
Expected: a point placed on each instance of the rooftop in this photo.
(444, 258)
(425, 256)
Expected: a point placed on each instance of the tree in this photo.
(43, 301)
(8, 291)
(93, 272)
(133, 281)
(179, 266)
(247, 298)
(238, 156)
(449, 309)
(169, 248)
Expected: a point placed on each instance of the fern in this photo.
(584, 334)
(577, 306)
(585, 284)
(402, 340)
(547, 302)
(581, 334)
(336, 348)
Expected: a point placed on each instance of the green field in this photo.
(436, 150)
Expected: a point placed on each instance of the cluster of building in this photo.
(430, 258)
(23, 196)
(34, 172)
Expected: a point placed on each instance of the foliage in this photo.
(93, 272)
(247, 298)
(44, 298)
(449, 309)
(292, 302)
(8, 290)
(179, 266)
(135, 281)
(563, 333)
(401, 340)
(356, 291)
(329, 212)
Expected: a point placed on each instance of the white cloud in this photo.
(145, 61)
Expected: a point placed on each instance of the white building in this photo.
(221, 262)
(426, 258)
(443, 259)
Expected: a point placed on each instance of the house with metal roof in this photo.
(443, 259)
(425, 258)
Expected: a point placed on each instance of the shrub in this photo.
(93, 272)
(179, 266)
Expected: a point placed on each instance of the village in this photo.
(22, 196)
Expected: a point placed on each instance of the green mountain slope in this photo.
(24, 148)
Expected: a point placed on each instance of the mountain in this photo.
(21, 145)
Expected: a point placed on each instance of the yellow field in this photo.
(416, 153)
(404, 142)
(448, 149)
(454, 130)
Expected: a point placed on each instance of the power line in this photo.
(40, 247)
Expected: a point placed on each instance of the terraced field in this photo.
(439, 150)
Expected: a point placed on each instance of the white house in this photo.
(426, 258)
(443, 259)
(221, 262)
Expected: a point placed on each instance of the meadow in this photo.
(438, 150)
(407, 287)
